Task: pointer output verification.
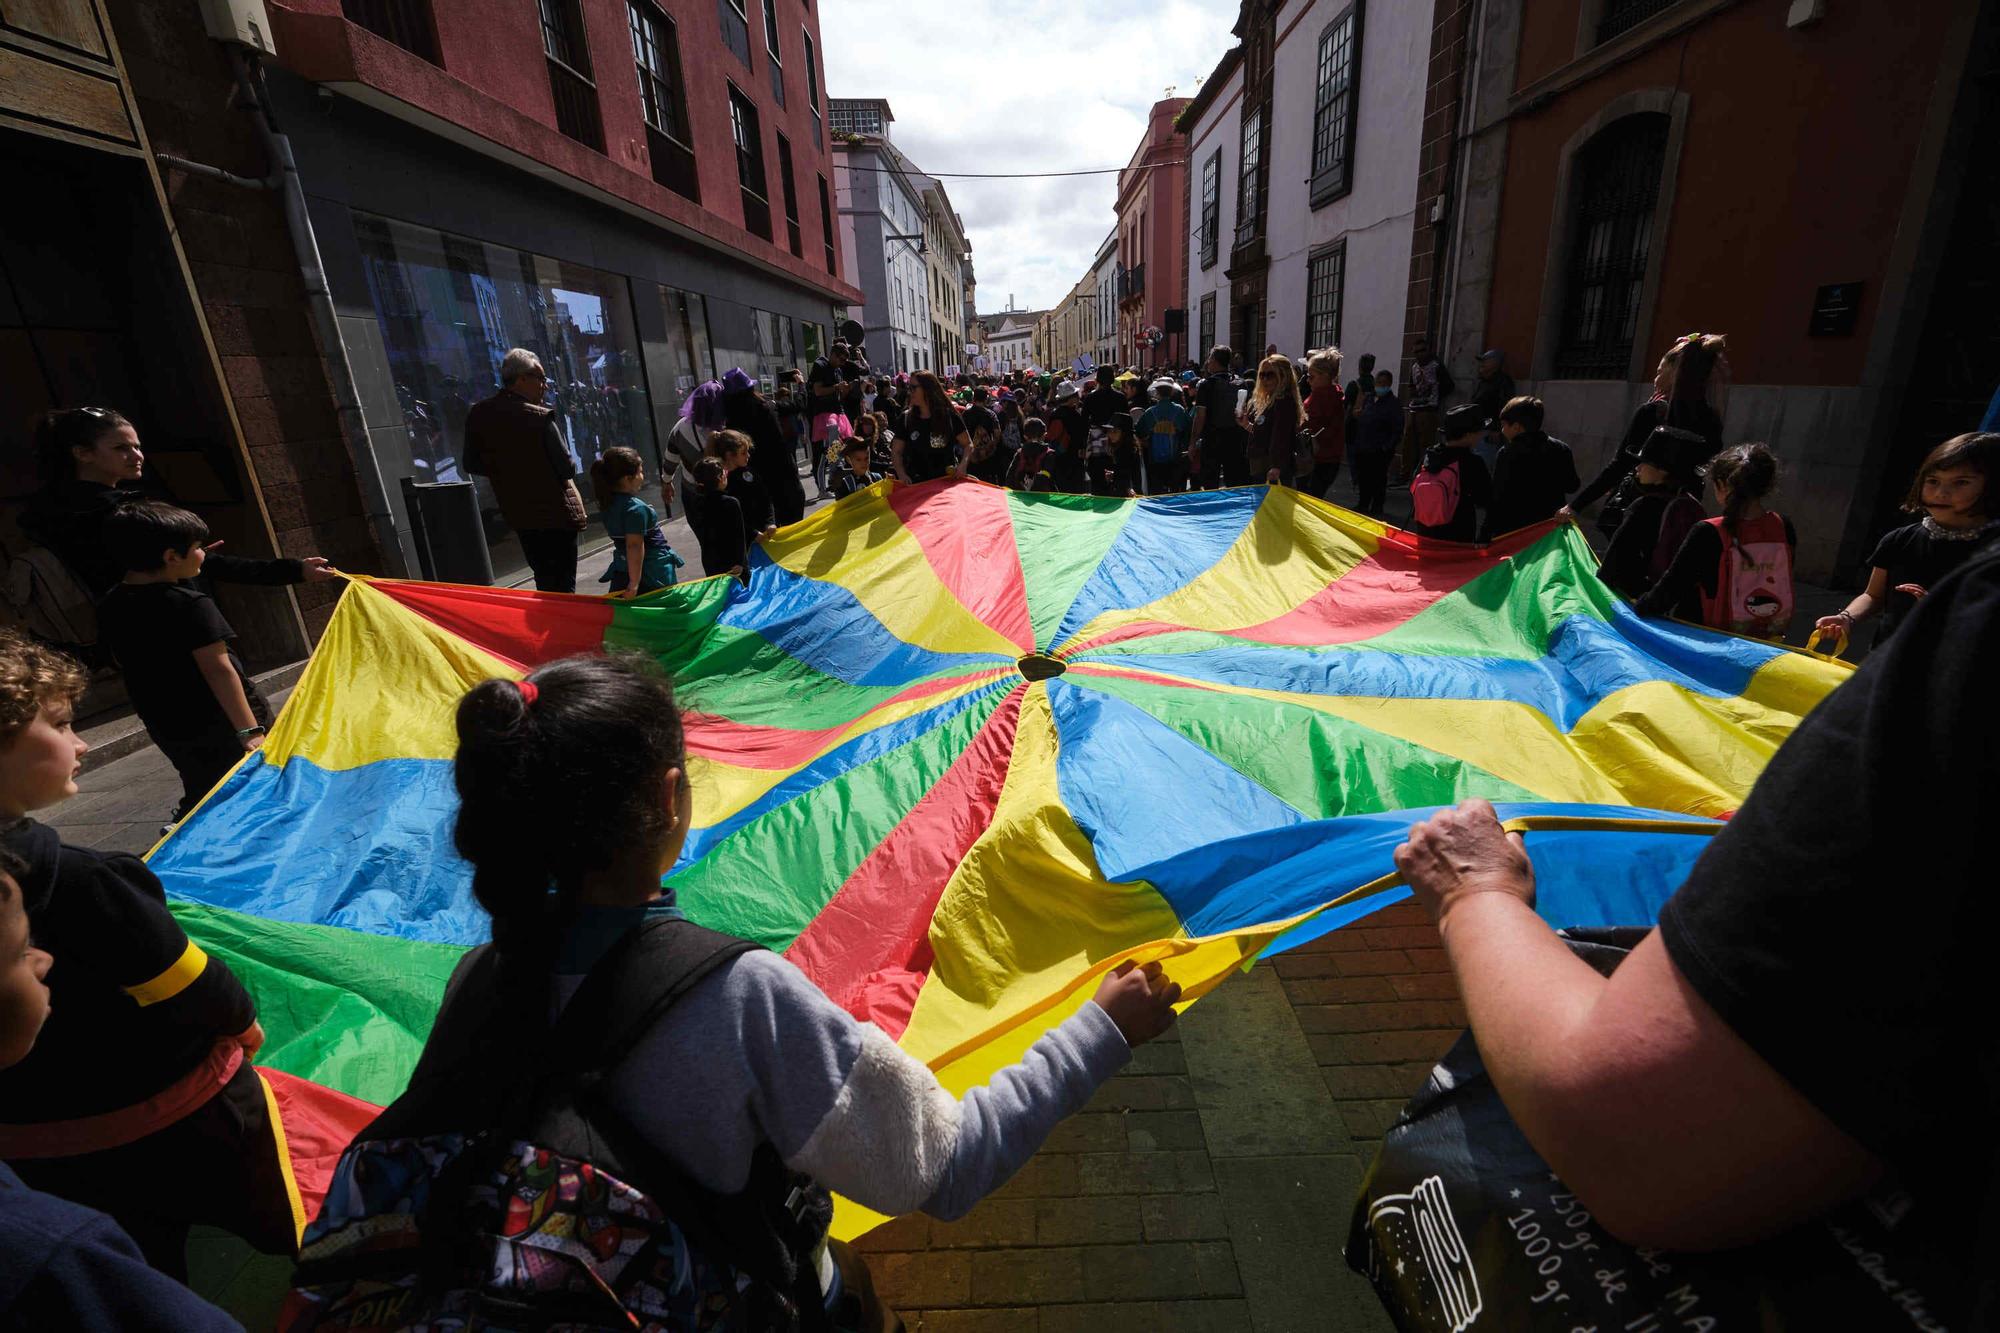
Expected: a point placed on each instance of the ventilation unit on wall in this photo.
(242, 22)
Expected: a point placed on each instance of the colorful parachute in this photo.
(956, 749)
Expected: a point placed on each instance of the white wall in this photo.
(1376, 215)
(1218, 128)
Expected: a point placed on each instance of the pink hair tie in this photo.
(529, 692)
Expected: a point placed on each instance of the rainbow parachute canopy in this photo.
(956, 749)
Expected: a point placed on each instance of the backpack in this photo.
(50, 601)
(1434, 495)
(501, 1192)
(1753, 586)
(1678, 519)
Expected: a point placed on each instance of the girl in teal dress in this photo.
(634, 526)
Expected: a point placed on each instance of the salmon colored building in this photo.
(1815, 180)
(1152, 239)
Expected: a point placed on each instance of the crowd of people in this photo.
(130, 1108)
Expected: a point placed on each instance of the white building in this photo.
(1010, 340)
(880, 202)
(1104, 314)
(1334, 131)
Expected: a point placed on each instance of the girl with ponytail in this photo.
(575, 803)
(1734, 572)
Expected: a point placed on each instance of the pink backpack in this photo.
(1754, 585)
(1434, 495)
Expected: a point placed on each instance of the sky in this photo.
(1027, 85)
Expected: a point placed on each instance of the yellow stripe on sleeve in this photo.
(184, 972)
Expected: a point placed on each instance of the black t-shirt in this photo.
(1101, 404)
(1217, 393)
(717, 520)
(152, 631)
(929, 444)
(1912, 555)
(995, 467)
(1530, 478)
(825, 385)
(979, 415)
(1843, 923)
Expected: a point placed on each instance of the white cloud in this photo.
(1028, 85)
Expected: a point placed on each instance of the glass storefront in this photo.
(451, 307)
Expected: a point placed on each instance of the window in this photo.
(1617, 177)
(569, 73)
(1250, 183)
(1211, 207)
(449, 307)
(812, 88)
(1326, 274)
(735, 28)
(749, 137)
(407, 23)
(1334, 106)
(791, 196)
(657, 53)
(1622, 15)
(771, 50)
(826, 227)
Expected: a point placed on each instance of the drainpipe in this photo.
(319, 299)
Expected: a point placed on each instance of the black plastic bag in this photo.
(1460, 1226)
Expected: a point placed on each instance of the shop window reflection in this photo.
(450, 307)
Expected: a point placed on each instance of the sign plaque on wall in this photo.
(1835, 308)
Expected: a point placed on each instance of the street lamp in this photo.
(922, 247)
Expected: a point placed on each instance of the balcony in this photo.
(1131, 283)
(407, 23)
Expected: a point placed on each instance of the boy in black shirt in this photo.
(138, 1098)
(187, 685)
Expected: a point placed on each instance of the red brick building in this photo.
(639, 190)
(1600, 177)
(1152, 235)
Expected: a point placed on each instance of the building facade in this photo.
(1102, 337)
(1302, 172)
(948, 261)
(1636, 209)
(879, 197)
(638, 190)
(1010, 340)
(1152, 235)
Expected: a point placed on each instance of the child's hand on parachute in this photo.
(1140, 1000)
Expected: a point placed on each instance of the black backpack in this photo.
(502, 1192)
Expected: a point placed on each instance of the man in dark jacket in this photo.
(515, 443)
(1215, 426)
(771, 457)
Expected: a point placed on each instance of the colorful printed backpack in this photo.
(547, 1212)
(1753, 587)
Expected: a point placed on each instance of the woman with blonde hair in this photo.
(1276, 412)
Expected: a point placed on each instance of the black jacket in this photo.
(771, 456)
(1531, 477)
(68, 518)
(133, 1005)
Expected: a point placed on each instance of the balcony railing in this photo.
(576, 105)
(407, 23)
(1131, 283)
(1621, 15)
